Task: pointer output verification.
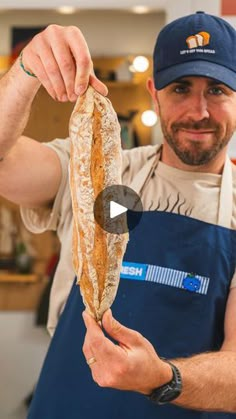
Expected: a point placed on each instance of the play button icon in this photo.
(118, 209)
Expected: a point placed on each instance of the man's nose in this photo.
(198, 107)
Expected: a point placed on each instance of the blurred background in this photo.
(121, 41)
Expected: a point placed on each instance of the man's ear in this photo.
(154, 94)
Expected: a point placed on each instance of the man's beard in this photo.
(195, 154)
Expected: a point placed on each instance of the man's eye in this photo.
(181, 89)
(216, 91)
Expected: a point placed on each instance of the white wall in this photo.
(107, 32)
(22, 350)
(175, 8)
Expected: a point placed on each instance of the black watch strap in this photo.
(169, 391)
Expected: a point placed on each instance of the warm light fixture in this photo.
(140, 64)
(149, 118)
(141, 9)
(66, 10)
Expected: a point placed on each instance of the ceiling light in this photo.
(66, 10)
(140, 9)
(140, 64)
(149, 118)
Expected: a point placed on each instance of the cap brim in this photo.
(195, 68)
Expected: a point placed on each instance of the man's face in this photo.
(198, 118)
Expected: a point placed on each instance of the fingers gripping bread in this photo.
(95, 164)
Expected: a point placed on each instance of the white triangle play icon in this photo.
(116, 209)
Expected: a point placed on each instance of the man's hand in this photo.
(131, 364)
(60, 59)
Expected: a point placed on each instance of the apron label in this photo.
(132, 270)
(187, 281)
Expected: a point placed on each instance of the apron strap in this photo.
(225, 210)
(143, 176)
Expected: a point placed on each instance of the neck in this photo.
(215, 166)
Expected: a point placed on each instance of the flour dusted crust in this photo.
(94, 165)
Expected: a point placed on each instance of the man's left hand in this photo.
(131, 364)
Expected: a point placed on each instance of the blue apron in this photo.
(174, 287)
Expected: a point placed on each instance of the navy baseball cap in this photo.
(196, 45)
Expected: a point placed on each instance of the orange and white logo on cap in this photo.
(201, 39)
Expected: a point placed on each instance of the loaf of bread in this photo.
(201, 39)
(95, 164)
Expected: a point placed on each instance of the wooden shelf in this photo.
(119, 84)
(6, 277)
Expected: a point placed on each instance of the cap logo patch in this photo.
(196, 43)
(201, 39)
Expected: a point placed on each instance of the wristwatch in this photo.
(169, 391)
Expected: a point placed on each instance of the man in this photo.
(185, 301)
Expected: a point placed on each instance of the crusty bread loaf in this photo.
(94, 165)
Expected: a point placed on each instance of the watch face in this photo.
(165, 394)
(168, 391)
(169, 395)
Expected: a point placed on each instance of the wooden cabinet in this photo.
(23, 292)
(20, 292)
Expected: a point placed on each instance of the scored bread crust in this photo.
(95, 164)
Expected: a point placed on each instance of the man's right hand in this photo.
(60, 59)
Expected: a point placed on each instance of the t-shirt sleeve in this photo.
(38, 220)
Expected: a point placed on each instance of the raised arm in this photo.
(60, 60)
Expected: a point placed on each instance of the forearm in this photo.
(17, 91)
(209, 381)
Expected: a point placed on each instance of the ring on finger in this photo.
(91, 360)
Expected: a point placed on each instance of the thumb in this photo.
(90, 323)
(117, 331)
(98, 85)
